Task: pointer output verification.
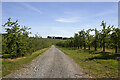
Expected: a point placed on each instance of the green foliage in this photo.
(16, 42)
(89, 37)
(95, 40)
(115, 38)
(16, 39)
(105, 33)
(108, 37)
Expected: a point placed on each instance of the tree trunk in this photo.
(95, 48)
(103, 46)
(81, 46)
(84, 46)
(115, 49)
(89, 47)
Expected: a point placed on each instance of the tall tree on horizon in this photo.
(104, 33)
(115, 36)
(89, 37)
(96, 38)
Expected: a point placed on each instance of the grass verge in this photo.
(10, 65)
(96, 64)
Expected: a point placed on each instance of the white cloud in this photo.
(67, 20)
(31, 7)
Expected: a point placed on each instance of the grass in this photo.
(106, 50)
(9, 65)
(95, 63)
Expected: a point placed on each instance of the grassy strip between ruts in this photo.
(9, 65)
(96, 64)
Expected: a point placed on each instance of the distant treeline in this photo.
(16, 42)
(107, 37)
(53, 37)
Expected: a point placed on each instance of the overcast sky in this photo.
(60, 19)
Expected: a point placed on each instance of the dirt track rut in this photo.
(51, 64)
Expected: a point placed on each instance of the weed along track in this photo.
(51, 64)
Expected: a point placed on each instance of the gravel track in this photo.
(51, 64)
